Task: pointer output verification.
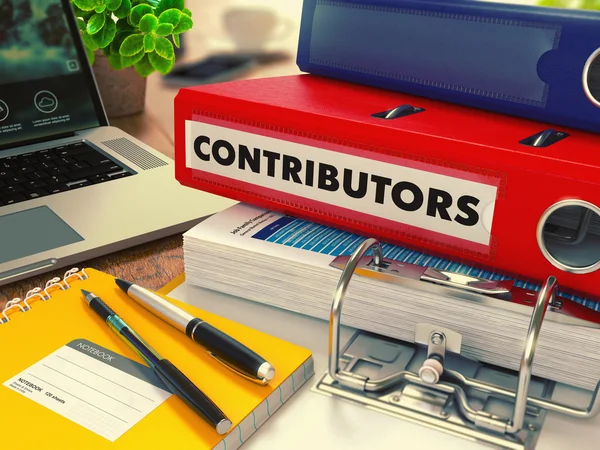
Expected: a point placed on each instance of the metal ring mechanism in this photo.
(452, 382)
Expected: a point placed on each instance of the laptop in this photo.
(71, 186)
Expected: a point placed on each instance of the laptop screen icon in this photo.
(73, 65)
(3, 110)
(46, 102)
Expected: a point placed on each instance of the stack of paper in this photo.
(285, 262)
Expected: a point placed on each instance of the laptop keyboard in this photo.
(47, 172)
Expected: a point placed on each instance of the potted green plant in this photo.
(127, 40)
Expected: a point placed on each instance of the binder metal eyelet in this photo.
(439, 396)
(552, 236)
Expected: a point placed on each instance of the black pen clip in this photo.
(261, 381)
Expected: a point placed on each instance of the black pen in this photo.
(224, 348)
(176, 381)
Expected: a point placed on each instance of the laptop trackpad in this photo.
(32, 231)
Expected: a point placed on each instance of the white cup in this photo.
(252, 28)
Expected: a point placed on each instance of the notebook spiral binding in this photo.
(23, 305)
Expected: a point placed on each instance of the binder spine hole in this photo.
(591, 78)
(568, 235)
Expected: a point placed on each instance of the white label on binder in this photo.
(93, 387)
(425, 199)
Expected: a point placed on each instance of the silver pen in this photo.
(222, 347)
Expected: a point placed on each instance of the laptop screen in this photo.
(46, 86)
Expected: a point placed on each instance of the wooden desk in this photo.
(154, 264)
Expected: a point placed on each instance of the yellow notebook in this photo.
(68, 382)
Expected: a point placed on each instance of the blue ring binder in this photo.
(534, 62)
